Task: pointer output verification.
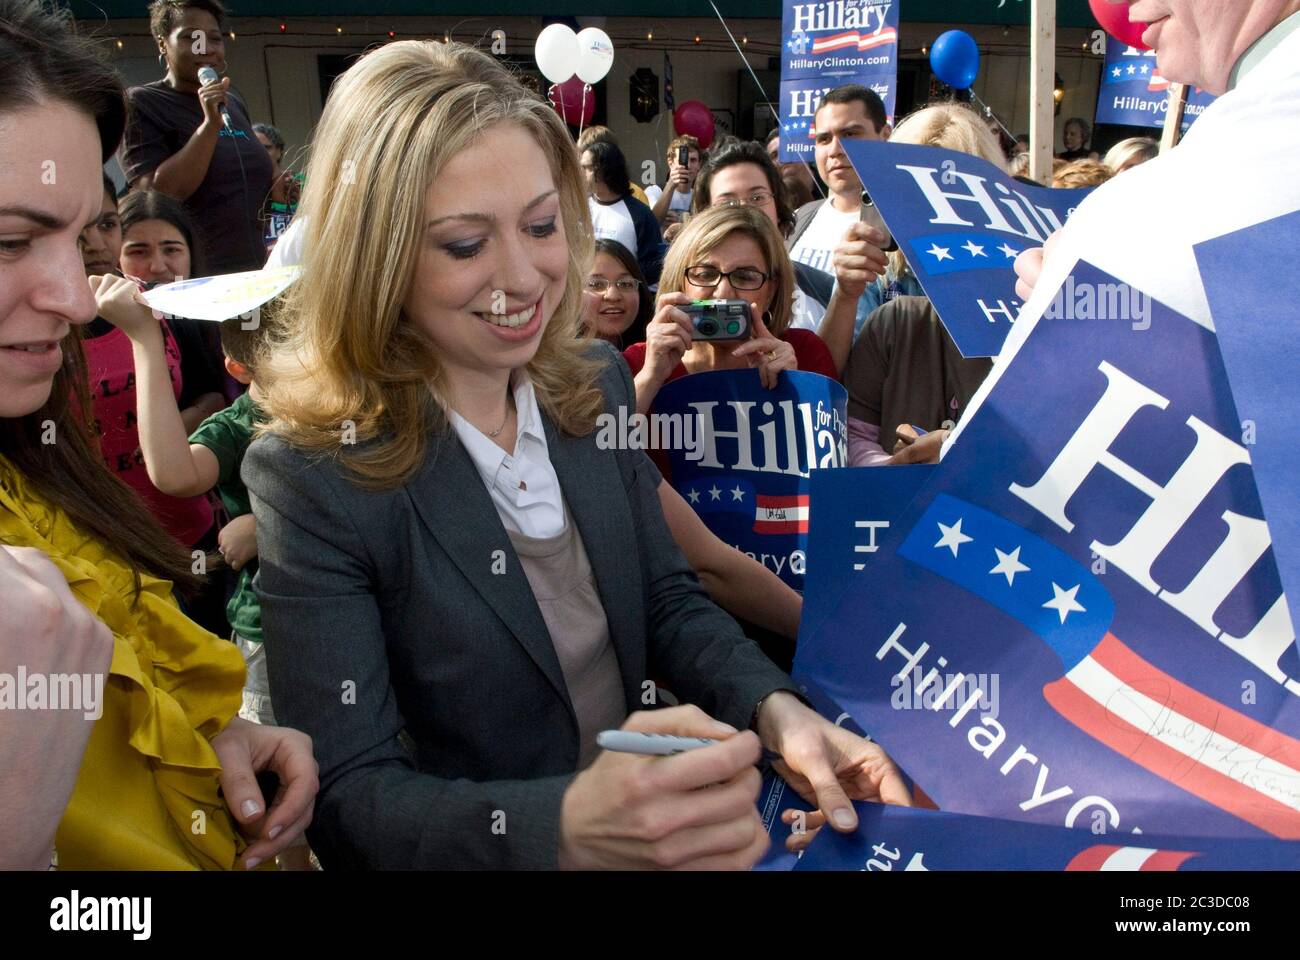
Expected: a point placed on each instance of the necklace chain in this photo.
(497, 432)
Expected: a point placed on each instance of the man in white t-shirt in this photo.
(1236, 167)
(849, 112)
(674, 199)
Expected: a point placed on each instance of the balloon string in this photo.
(988, 112)
(766, 99)
(582, 111)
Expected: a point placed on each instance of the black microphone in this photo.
(207, 77)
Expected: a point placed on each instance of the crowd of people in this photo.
(368, 543)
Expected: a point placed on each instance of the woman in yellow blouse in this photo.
(119, 746)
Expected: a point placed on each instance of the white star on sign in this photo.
(694, 495)
(1145, 68)
(952, 537)
(1011, 252)
(1009, 564)
(975, 249)
(1132, 69)
(737, 493)
(939, 253)
(1063, 602)
(715, 493)
(1116, 72)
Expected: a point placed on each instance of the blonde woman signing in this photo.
(473, 570)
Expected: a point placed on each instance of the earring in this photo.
(162, 62)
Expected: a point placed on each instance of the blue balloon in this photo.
(955, 59)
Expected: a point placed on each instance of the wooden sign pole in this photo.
(1174, 117)
(1042, 77)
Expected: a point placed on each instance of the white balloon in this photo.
(595, 54)
(556, 52)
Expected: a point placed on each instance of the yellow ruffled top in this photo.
(146, 795)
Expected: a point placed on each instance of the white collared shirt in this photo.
(523, 485)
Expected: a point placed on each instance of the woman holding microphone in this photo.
(188, 136)
(446, 551)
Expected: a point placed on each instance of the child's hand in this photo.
(237, 541)
(117, 300)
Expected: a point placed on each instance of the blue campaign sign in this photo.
(839, 552)
(776, 796)
(961, 223)
(1256, 310)
(1135, 94)
(747, 474)
(825, 45)
(892, 839)
(1079, 621)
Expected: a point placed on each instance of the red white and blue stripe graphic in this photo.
(1217, 753)
(853, 40)
(1192, 741)
(781, 514)
(1146, 859)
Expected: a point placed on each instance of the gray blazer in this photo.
(382, 614)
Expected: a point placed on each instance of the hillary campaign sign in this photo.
(900, 839)
(840, 552)
(1135, 94)
(747, 473)
(961, 223)
(1256, 311)
(824, 45)
(1095, 541)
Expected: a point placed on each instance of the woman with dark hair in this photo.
(131, 774)
(618, 304)
(742, 172)
(195, 142)
(1075, 135)
(615, 213)
(156, 240)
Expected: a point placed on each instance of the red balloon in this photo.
(567, 98)
(694, 119)
(1113, 18)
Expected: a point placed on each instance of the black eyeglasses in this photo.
(742, 278)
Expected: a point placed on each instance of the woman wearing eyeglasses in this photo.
(728, 252)
(617, 305)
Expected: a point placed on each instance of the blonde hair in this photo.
(708, 229)
(953, 126)
(1131, 152)
(350, 356)
(591, 134)
(685, 140)
(1082, 173)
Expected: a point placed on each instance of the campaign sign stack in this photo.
(1135, 94)
(961, 223)
(900, 839)
(826, 44)
(747, 472)
(1079, 621)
